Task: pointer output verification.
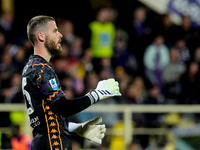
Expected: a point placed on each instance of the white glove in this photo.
(91, 131)
(105, 89)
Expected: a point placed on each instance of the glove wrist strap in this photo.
(94, 96)
(73, 127)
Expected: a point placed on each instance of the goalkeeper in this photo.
(47, 106)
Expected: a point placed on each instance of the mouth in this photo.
(59, 42)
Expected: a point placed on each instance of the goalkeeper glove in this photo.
(105, 89)
(91, 131)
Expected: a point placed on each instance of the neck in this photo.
(42, 52)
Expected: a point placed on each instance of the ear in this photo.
(41, 36)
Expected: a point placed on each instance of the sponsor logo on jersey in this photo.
(53, 84)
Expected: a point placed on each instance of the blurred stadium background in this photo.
(159, 109)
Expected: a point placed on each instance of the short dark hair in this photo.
(36, 23)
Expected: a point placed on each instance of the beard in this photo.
(53, 47)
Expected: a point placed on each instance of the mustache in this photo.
(60, 41)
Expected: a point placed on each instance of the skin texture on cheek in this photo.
(52, 46)
(53, 39)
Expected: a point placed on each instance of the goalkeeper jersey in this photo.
(42, 92)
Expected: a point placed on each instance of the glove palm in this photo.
(91, 131)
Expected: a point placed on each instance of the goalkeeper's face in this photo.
(53, 39)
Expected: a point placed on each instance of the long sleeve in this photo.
(68, 108)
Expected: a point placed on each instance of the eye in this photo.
(55, 30)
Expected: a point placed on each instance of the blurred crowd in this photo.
(154, 60)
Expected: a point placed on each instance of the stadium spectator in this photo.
(20, 141)
(167, 28)
(190, 85)
(106, 68)
(196, 55)
(139, 32)
(102, 36)
(183, 50)
(156, 57)
(7, 68)
(2, 43)
(6, 25)
(123, 78)
(66, 28)
(123, 57)
(76, 49)
(171, 77)
(188, 32)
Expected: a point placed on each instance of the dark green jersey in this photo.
(47, 105)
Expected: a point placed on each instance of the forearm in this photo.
(68, 108)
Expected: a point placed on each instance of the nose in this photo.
(60, 35)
